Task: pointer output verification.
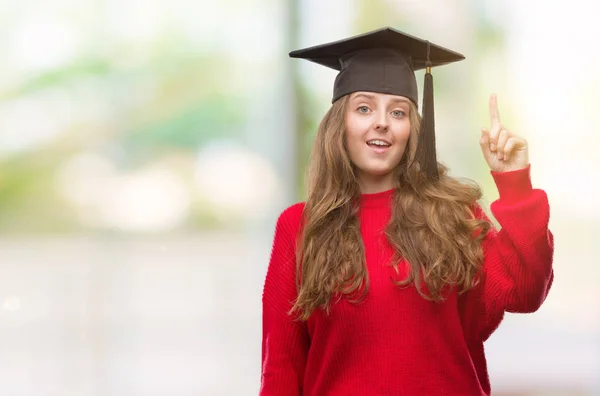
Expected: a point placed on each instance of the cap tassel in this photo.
(427, 152)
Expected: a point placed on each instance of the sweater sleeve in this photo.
(285, 340)
(517, 271)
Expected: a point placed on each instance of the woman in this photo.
(389, 278)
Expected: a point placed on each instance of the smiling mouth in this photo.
(378, 143)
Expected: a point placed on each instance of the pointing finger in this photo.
(494, 113)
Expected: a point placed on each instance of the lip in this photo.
(383, 140)
(379, 149)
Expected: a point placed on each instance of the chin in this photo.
(378, 172)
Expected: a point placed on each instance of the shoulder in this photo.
(290, 218)
(287, 232)
(292, 213)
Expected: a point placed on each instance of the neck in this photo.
(372, 184)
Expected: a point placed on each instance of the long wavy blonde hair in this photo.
(432, 227)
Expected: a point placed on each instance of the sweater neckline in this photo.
(378, 199)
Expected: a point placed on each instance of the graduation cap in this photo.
(385, 61)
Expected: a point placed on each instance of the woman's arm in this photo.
(517, 271)
(285, 340)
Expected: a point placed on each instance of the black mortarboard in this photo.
(384, 61)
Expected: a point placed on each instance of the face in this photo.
(377, 131)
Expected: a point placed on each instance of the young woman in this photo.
(390, 277)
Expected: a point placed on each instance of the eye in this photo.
(398, 113)
(363, 109)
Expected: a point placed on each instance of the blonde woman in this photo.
(389, 278)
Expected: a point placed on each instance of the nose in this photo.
(381, 124)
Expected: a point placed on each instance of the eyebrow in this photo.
(368, 96)
(364, 95)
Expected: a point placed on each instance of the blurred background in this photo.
(147, 147)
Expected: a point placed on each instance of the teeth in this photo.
(378, 143)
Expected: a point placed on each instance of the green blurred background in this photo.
(147, 147)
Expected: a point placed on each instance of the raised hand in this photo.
(503, 150)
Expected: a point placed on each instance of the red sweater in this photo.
(395, 342)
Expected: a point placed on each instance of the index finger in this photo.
(494, 113)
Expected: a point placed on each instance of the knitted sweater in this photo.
(395, 342)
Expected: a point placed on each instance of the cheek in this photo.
(354, 134)
(402, 133)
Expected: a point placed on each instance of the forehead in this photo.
(362, 95)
